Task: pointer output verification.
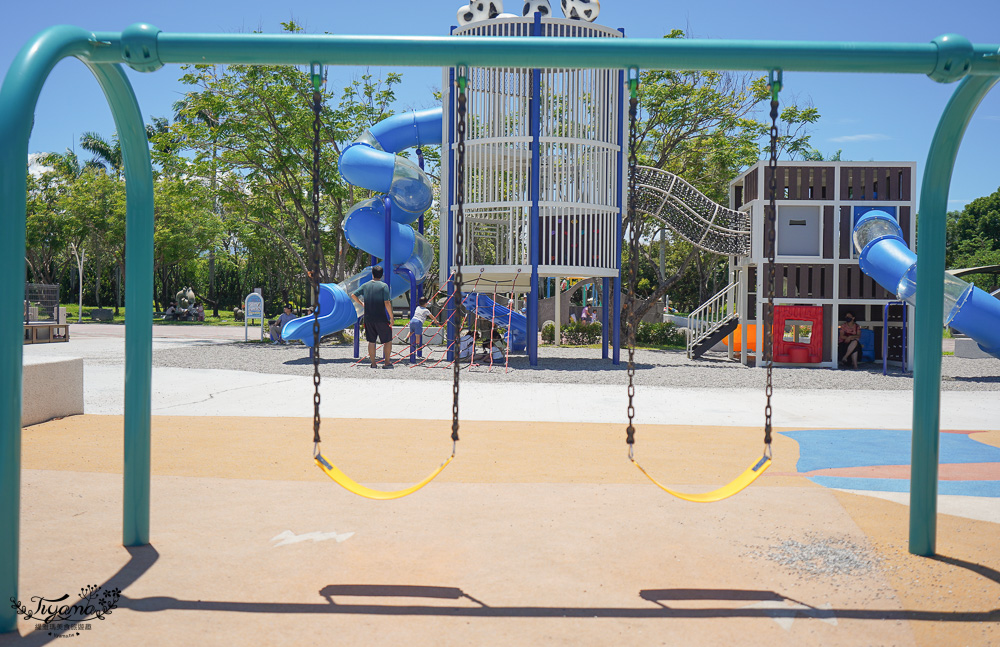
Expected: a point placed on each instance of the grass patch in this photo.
(225, 318)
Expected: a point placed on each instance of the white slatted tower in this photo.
(580, 135)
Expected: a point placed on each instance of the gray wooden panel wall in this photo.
(875, 183)
(802, 182)
(802, 281)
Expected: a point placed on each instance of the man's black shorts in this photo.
(378, 331)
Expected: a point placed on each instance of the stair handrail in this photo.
(711, 315)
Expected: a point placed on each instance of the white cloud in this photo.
(35, 166)
(869, 137)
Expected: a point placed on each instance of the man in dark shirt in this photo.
(374, 296)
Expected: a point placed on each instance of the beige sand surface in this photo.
(537, 534)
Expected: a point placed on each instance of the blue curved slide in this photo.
(515, 323)
(886, 258)
(371, 162)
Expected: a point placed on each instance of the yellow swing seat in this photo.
(735, 486)
(351, 485)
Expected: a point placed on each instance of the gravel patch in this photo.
(668, 368)
(820, 556)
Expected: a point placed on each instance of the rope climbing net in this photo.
(692, 215)
(493, 331)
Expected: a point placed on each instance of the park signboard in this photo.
(253, 309)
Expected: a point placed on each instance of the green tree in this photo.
(251, 127)
(185, 228)
(973, 238)
(107, 152)
(45, 232)
(707, 127)
(95, 205)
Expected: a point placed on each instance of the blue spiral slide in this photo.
(371, 162)
(886, 258)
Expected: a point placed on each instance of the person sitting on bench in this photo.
(849, 341)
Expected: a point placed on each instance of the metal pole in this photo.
(452, 309)
(948, 58)
(138, 300)
(558, 314)
(408, 273)
(387, 269)
(534, 110)
(930, 297)
(605, 285)
(18, 97)
(420, 229)
(616, 295)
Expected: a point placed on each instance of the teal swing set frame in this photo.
(946, 59)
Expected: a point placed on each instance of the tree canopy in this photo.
(974, 238)
(232, 172)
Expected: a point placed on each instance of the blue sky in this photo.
(870, 117)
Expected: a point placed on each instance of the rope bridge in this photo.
(688, 212)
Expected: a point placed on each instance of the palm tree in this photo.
(189, 109)
(107, 154)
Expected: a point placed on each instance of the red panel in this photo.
(811, 353)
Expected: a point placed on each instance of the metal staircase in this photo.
(713, 321)
(709, 226)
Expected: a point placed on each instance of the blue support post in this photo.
(905, 334)
(387, 269)
(408, 273)
(357, 339)
(451, 310)
(420, 228)
(534, 111)
(372, 262)
(605, 285)
(615, 301)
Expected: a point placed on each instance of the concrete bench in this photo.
(968, 348)
(43, 333)
(52, 387)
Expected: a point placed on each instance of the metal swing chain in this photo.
(775, 86)
(633, 162)
(316, 71)
(459, 238)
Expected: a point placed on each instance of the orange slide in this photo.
(737, 334)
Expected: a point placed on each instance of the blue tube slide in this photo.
(886, 258)
(515, 323)
(371, 162)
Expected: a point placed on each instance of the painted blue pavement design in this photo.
(832, 448)
(966, 488)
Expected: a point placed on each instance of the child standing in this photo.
(420, 315)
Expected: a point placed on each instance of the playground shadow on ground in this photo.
(449, 601)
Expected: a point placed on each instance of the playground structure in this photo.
(946, 59)
(380, 225)
(543, 187)
(816, 266)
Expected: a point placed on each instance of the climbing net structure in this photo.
(494, 337)
(700, 221)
